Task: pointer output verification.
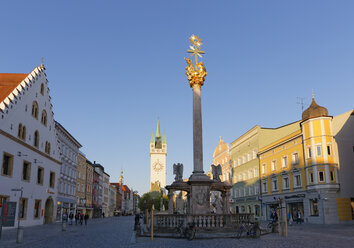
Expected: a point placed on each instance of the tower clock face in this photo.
(157, 166)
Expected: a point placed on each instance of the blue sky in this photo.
(114, 67)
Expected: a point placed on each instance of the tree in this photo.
(146, 201)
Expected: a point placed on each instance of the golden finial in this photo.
(42, 65)
(313, 94)
(197, 72)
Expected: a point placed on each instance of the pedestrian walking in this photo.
(103, 214)
(76, 218)
(81, 218)
(290, 217)
(137, 217)
(86, 218)
(298, 221)
(71, 216)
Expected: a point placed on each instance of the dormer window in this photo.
(35, 110)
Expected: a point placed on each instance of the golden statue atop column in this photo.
(196, 73)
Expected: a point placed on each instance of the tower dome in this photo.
(314, 110)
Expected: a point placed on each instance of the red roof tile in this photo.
(8, 82)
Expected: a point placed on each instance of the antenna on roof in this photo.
(301, 101)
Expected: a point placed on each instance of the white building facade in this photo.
(69, 149)
(28, 147)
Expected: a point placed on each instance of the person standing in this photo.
(71, 216)
(76, 218)
(86, 218)
(81, 218)
(298, 217)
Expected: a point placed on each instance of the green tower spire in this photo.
(164, 139)
(158, 133)
(152, 141)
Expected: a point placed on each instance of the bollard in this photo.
(19, 235)
(63, 226)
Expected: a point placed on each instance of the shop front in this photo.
(65, 206)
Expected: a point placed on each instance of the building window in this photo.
(275, 185)
(319, 150)
(329, 150)
(309, 152)
(19, 133)
(274, 165)
(285, 183)
(284, 162)
(23, 208)
(249, 157)
(263, 168)
(52, 179)
(36, 139)
(26, 171)
(47, 147)
(44, 118)
(35, 110)
(40, 174)
(7, 164)
(256, 172)
(295, 158)
(37, 208)
(235, 163)
(23, 135)
(311, 177)
(42, 89)
(256, 191)
(245, 176)
(254, 154)
(250, 174)
(264, 184)
(314, 207)
(244, 158)
(332, 175)
(239, 161)
(297, 180)
(321, 176)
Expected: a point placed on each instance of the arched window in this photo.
(47, 147)
(44, 118)
(36, 139)
(23, 132)
(35, 109)
(42, 89)
(19, 131)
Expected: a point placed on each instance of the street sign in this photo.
(8, 214)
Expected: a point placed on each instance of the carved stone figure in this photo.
(178, 171)
(216, 170)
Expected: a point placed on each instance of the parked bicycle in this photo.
(186, 232)
(249, 230)
(272, 225)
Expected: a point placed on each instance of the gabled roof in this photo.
(8, 82)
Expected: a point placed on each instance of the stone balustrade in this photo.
(202, 221)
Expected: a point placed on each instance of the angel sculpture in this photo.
(216, 170)
(178, 171)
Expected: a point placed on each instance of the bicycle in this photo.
(272, 225)
(250, 229)
(186, 232)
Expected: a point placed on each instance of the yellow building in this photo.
(80, 183)
(221, 156)
(88, 187)
(309, 168)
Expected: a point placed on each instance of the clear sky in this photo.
(114, 67)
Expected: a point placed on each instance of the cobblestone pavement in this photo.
(118, 232)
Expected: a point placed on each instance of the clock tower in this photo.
(158, 152)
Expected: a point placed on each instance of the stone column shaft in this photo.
(197, 130)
